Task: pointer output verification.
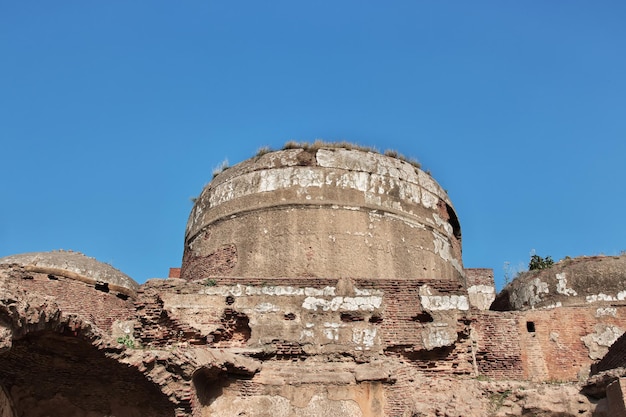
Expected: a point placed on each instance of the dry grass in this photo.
(221, 168)
(320, 144)
(263, 150)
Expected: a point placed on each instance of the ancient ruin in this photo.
(316, 281)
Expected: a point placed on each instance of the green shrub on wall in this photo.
(537, 262)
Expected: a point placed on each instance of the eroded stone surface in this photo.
(323, 213)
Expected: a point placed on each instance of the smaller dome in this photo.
(570, 282)
(75, 265)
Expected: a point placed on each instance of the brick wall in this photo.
(81, 299)
(558, 334)
(542, 345)
(479, 276)
(497, 345)
(155, 327)
(399, 325)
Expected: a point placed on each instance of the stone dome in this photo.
(324, 212)
(570, 282)
(75, 265)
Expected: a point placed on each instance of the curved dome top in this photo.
(323, 212)
(74, 265)
(578, 281)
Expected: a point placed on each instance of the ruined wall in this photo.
(615, 357)
(314, 282)
(557, 344)
(319, 315)
(358, 337)
(481, 288)
(106, 310)
(56, 360)
(571, 282)
(326, 213)
(562, 343)
(497, 344)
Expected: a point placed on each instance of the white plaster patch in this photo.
(266, 308)
(277, 290)
(442, 302)
(427, 182)
(608, 311)
(551, 306)
(306, 334)
(368, 303)
(364, 337)
(429, 200)
(599, 342)
(442, 223)
(438, 336)
(561, 285)
(331, 331)
(366, 161)
(442, 248)
(481, 296)
(599, 297)
(481, 289)
(367, 292)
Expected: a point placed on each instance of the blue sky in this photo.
(114, 114)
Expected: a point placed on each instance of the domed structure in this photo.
(77, 266)
(327, 213)
(571, 282)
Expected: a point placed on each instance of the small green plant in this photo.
(126, 341)
(537, 262)
(497, 399)
(210, 282)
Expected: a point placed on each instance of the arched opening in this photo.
(59, 374)
(454, 222)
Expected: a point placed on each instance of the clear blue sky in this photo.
(113, 114)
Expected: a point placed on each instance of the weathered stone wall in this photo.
(338, 346)
(327, 335)
(318, 315)
(326, 213)
(579, 281)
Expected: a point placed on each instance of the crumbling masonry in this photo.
(314, 282)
